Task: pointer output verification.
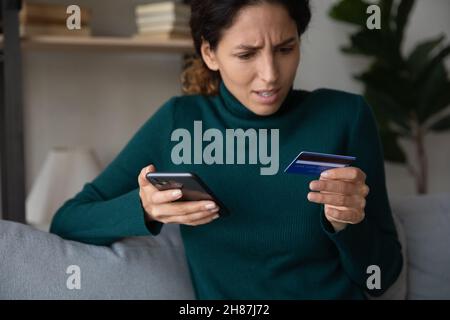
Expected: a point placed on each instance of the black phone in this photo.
(192, 187)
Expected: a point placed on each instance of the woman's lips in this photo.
(269, 99)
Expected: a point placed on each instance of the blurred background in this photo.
(93, 97)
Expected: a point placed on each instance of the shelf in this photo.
(105, 43)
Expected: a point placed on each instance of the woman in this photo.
(287, 237)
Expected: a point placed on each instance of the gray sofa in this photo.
(39, 265)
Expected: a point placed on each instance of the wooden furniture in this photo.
(125, 44)
(12, 163)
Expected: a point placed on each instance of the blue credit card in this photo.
(314, 163)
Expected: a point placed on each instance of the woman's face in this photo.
(259, 52)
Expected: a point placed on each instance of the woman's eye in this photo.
(286, 50)
(245, 56)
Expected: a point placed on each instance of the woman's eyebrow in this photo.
(248, 47)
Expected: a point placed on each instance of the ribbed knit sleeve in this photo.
(373, 241)
(109, 208)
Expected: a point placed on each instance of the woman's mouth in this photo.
(267, 96)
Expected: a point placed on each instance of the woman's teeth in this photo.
(266, 94)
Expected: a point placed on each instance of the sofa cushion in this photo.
(426, 220)
(34, 266)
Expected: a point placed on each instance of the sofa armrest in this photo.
(37, 265)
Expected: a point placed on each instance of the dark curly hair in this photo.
(209, 18)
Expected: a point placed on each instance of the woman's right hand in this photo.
(160, 205)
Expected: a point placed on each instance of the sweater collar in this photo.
(240, 110)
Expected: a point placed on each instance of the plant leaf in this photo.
(385, 107)
(372, 43)
(350, 11)
(433, 64)
(386, 14)
(443, 99)
(433, 93)
(431, 84)
(392, 82)
(442, 125)
(391, 148)
(352, 50)
(368, 42)
(419, 57)
(379, 43)
(389, 138)
(403, 11)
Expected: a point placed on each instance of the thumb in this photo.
(143, 182)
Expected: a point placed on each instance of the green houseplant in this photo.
(408, 92)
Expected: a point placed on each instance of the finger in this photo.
(194, 218)
(336, 220)
(346, 173)
(339, 207)
(356, 202)
(142, 179)
(159, 197)
(208, 219)
(335, 186)
(183, 208)
(365, 190)
(345, 216)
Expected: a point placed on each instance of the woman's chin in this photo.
(264, 110)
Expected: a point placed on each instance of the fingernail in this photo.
(216, 216)
(214, 210)
(325, 174)
(210, 206)
(310, 196)
(176, 193)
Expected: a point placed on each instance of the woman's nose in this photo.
(268, 70)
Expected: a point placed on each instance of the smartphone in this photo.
(192, 187)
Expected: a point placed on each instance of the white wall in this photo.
(99, 99)
(95, 99)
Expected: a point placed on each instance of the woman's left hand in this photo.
(343, 191)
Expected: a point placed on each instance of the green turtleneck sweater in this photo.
(275, 244)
